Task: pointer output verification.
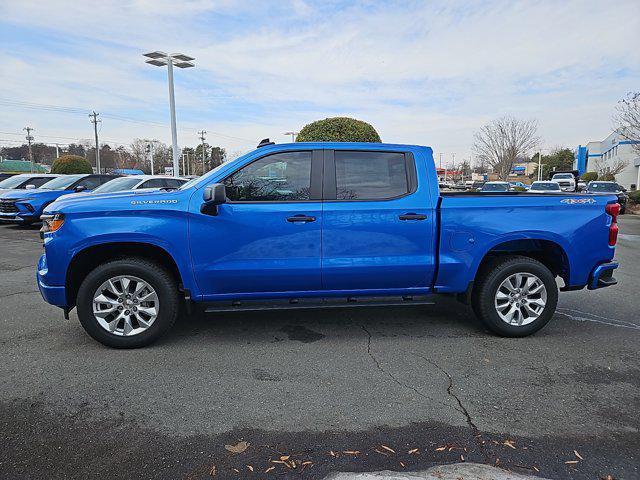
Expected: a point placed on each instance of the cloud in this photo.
(421, 73)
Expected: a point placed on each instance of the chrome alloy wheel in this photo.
(125, 305)
(520, 299)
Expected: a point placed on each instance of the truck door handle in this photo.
(412, 216)
(301, 218)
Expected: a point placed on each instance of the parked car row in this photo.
(24, 197)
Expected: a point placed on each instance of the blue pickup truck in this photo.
(320, 224)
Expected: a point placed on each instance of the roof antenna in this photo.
(264, 142)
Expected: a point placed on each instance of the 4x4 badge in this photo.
(578, 201)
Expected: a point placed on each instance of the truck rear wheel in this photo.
(515, 296)
(128, 303)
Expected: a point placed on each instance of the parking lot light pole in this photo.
(180, 60)
(540, 165)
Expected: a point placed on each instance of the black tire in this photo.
(489, 279)
(162, 282)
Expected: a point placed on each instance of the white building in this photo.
(608, 153)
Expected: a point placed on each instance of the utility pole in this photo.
(441, 160)
(57, 151)
(29, 139)
(204, 154)
(95, 121)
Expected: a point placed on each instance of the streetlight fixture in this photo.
(293, 135)
(180, 60)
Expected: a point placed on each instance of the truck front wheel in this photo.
(515, 296)
(128, 303)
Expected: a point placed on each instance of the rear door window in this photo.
(370, 175)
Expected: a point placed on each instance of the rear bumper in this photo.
(602, 276)
(55, 295)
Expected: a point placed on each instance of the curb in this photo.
(457, 471)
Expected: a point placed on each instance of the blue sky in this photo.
(421, 72)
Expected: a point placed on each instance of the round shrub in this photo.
(338, 129)
(589, 177)
(67, 164)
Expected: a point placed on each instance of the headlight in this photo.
(51, 223)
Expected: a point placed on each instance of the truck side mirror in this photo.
(30, 187)
(213, 196)
(80, 188)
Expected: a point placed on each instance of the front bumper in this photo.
(602, 276)
(53, 294)
(18, 217)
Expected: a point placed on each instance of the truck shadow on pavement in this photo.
(445, 319)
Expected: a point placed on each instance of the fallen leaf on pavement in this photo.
(239, 447)
(439, 449)
(509, 443)
(285, 457)
(307, 462)
(250, 468)
(578, 455)
(269, 469)
(571, 462)
(412, 451)
(332, 453)
(389, 449)
(213, 471)
(402, 465)
(351, 452)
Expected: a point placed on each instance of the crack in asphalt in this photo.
(395, 379)
(18, 293)
(477, 434)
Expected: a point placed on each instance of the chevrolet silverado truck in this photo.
(308, 225)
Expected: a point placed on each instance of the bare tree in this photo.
(500, 142)
(607, 171)
(627, 119)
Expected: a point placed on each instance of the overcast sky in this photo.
(428, 73)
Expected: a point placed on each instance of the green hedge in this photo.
(338, 129)
(634, 197)
(589, 177)
(67, 164)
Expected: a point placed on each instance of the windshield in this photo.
(563, 176)
(495, 187)
(545, 186)
(118, 185)
(603, 187)
(63, 182)
(13, 182)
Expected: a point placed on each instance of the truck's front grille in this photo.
(8, 206)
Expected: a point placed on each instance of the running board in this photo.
(310, 303)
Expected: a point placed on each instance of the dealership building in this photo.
(607, 153)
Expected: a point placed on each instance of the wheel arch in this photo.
(547, 251)
(85, 260)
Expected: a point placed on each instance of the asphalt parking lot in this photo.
(319, 391)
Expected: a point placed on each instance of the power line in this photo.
(122, 118)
